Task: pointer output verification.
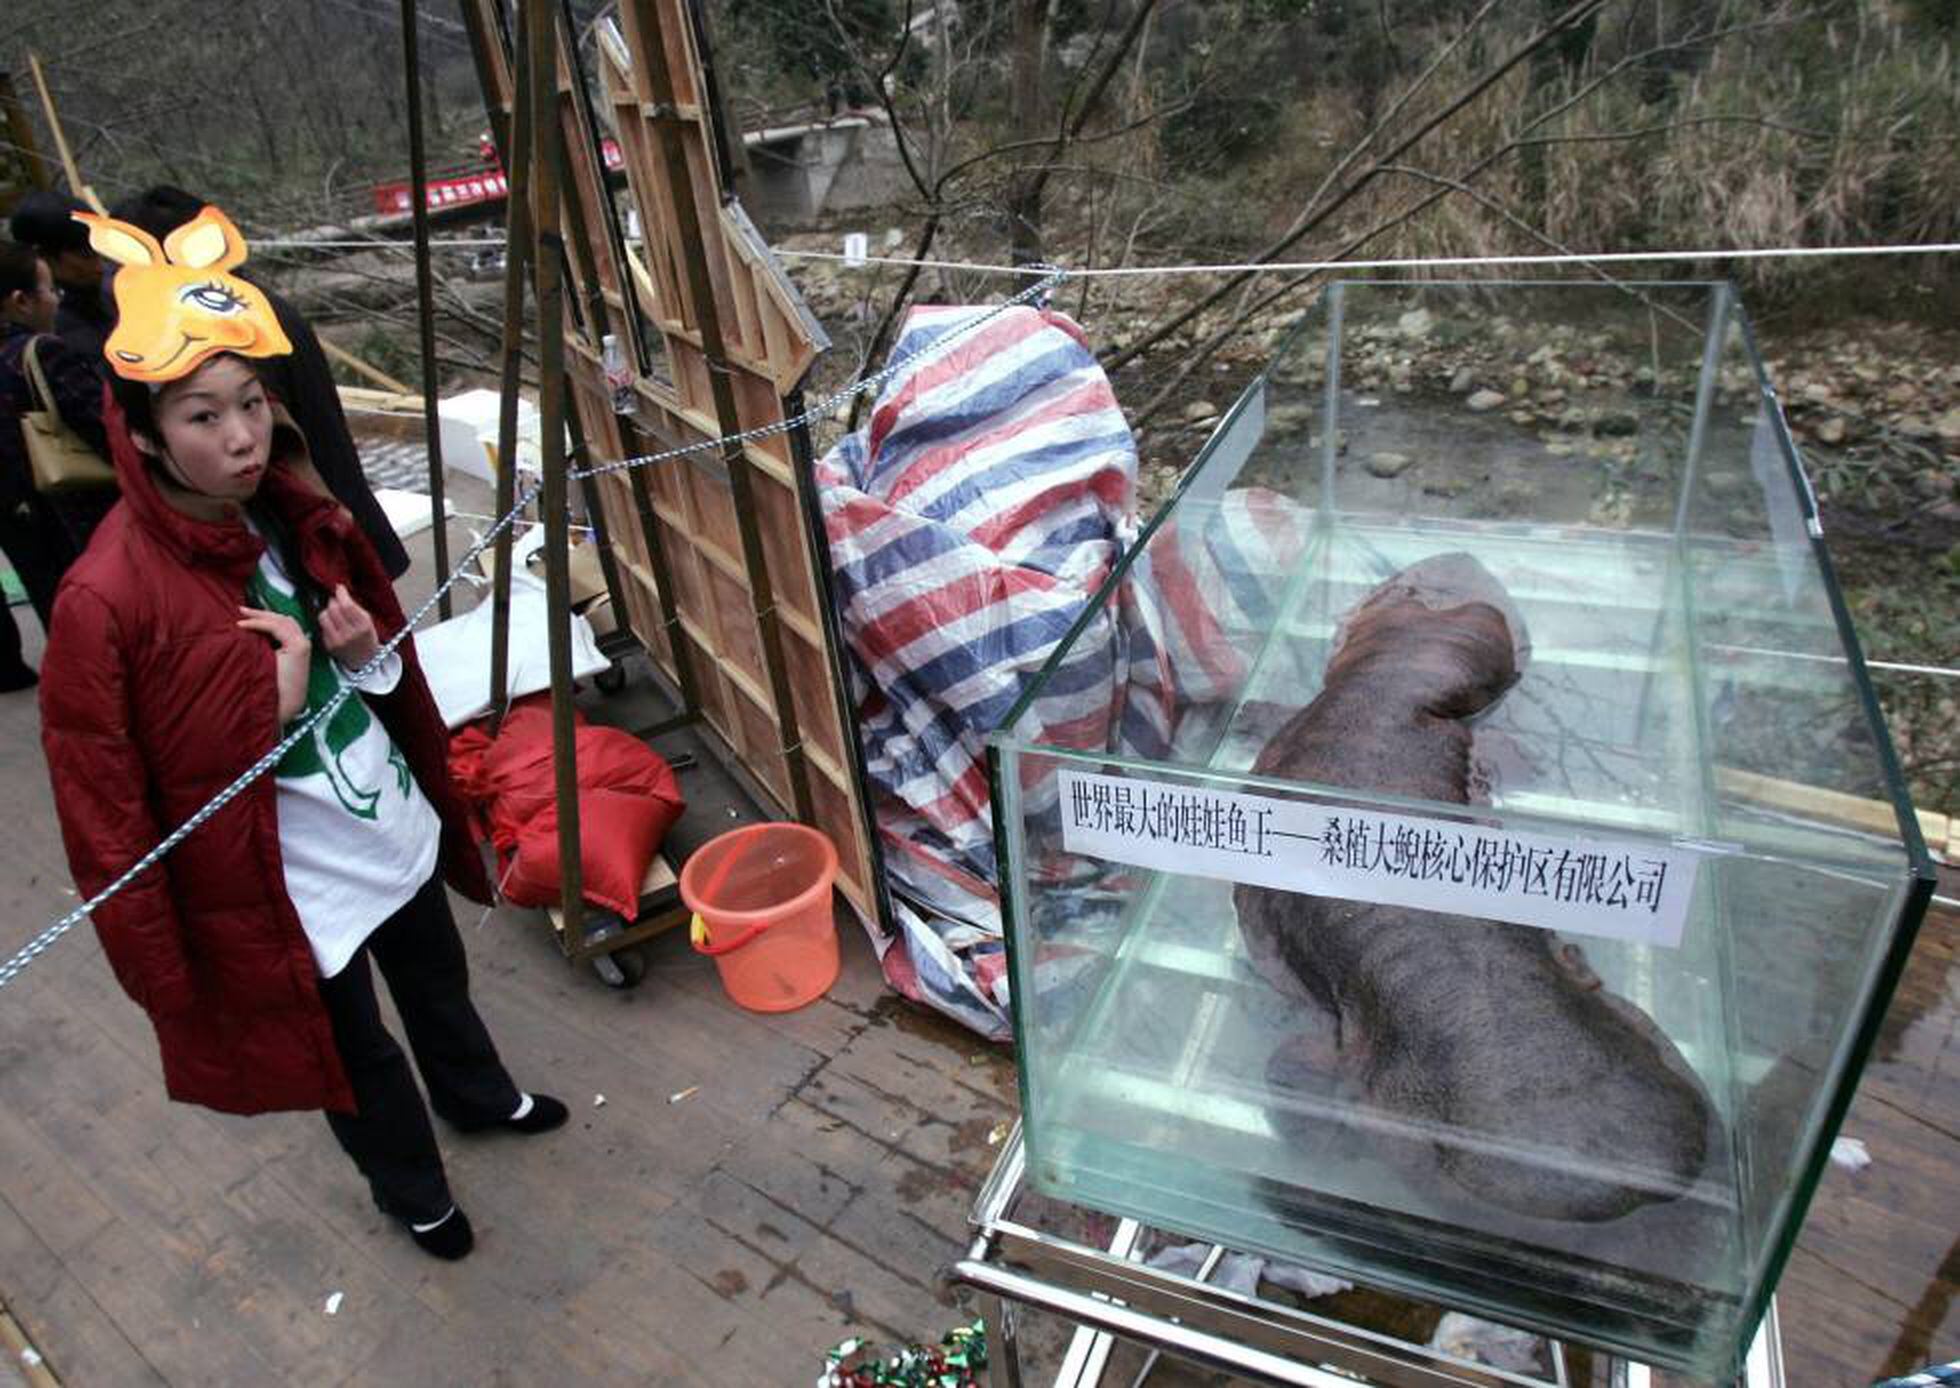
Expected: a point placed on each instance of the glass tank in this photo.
(1459, 847)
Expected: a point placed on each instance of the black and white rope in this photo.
(13, 966)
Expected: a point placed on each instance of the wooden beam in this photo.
(372, 373)
(695, 225)
(75, 184)
(378, 401)
(1833, 806)
(27, 1360)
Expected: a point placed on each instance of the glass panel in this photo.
(1800, 770)
(1536, 560)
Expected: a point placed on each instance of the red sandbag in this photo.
(628, 798)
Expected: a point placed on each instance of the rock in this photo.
(1387, 464)
(1461, 382)
(1485, 400)
(1416, 323)
(1199, 411)
(1727, 486)
(1947, 426)
(1284, 420)
(1933, 484)
(1616, 423)
(1515, 497)
(1300, 367)
(1831, 430)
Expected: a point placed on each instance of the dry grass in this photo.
(1804, 134)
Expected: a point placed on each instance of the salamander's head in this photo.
(1445, 621)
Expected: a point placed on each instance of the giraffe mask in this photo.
(176, 305)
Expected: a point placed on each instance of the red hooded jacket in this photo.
(152, 701)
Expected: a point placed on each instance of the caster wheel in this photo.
(610, 680)
(621, 969)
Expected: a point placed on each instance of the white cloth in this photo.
(357, 836)
(455, 654)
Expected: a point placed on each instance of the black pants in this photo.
(389, 1136)
(39, 548)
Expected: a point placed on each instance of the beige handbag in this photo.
(56, 455)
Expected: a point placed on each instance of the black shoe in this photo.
(450, 1240)
(15, 680)
(546, 1113)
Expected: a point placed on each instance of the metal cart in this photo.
(1111, 1295)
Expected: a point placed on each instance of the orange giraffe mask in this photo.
(176, 306)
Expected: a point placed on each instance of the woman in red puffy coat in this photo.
(224, 599)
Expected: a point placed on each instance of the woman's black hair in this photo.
(20, 271)
(139, 412)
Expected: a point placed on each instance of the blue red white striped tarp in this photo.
(971, 522)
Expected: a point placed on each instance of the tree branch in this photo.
(1308, 221)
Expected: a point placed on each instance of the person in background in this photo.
(302, 381)
(227, 598)
(33, 532)
(44, 220)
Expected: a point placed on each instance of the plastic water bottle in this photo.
(619, 376)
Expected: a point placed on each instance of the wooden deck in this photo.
(809, 1185)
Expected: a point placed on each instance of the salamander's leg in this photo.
(1572, 960)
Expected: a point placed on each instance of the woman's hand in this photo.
(292, 655)
(347, 631)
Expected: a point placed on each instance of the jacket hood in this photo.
(291, 487)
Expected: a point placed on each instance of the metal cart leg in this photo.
(1003, 1349)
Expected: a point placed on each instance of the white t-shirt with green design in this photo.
(356, 833)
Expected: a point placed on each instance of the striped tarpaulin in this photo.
(971, 523)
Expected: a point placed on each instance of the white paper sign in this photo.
(1615, 890)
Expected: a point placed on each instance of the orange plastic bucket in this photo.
(761, 902)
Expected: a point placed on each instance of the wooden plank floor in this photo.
(810, 1187)
(1869, 1292)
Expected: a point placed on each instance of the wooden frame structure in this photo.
(716, 560)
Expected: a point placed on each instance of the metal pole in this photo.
(595, 516)
(425, 293)
(541, 36)
(518, 154)
(632, 435)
